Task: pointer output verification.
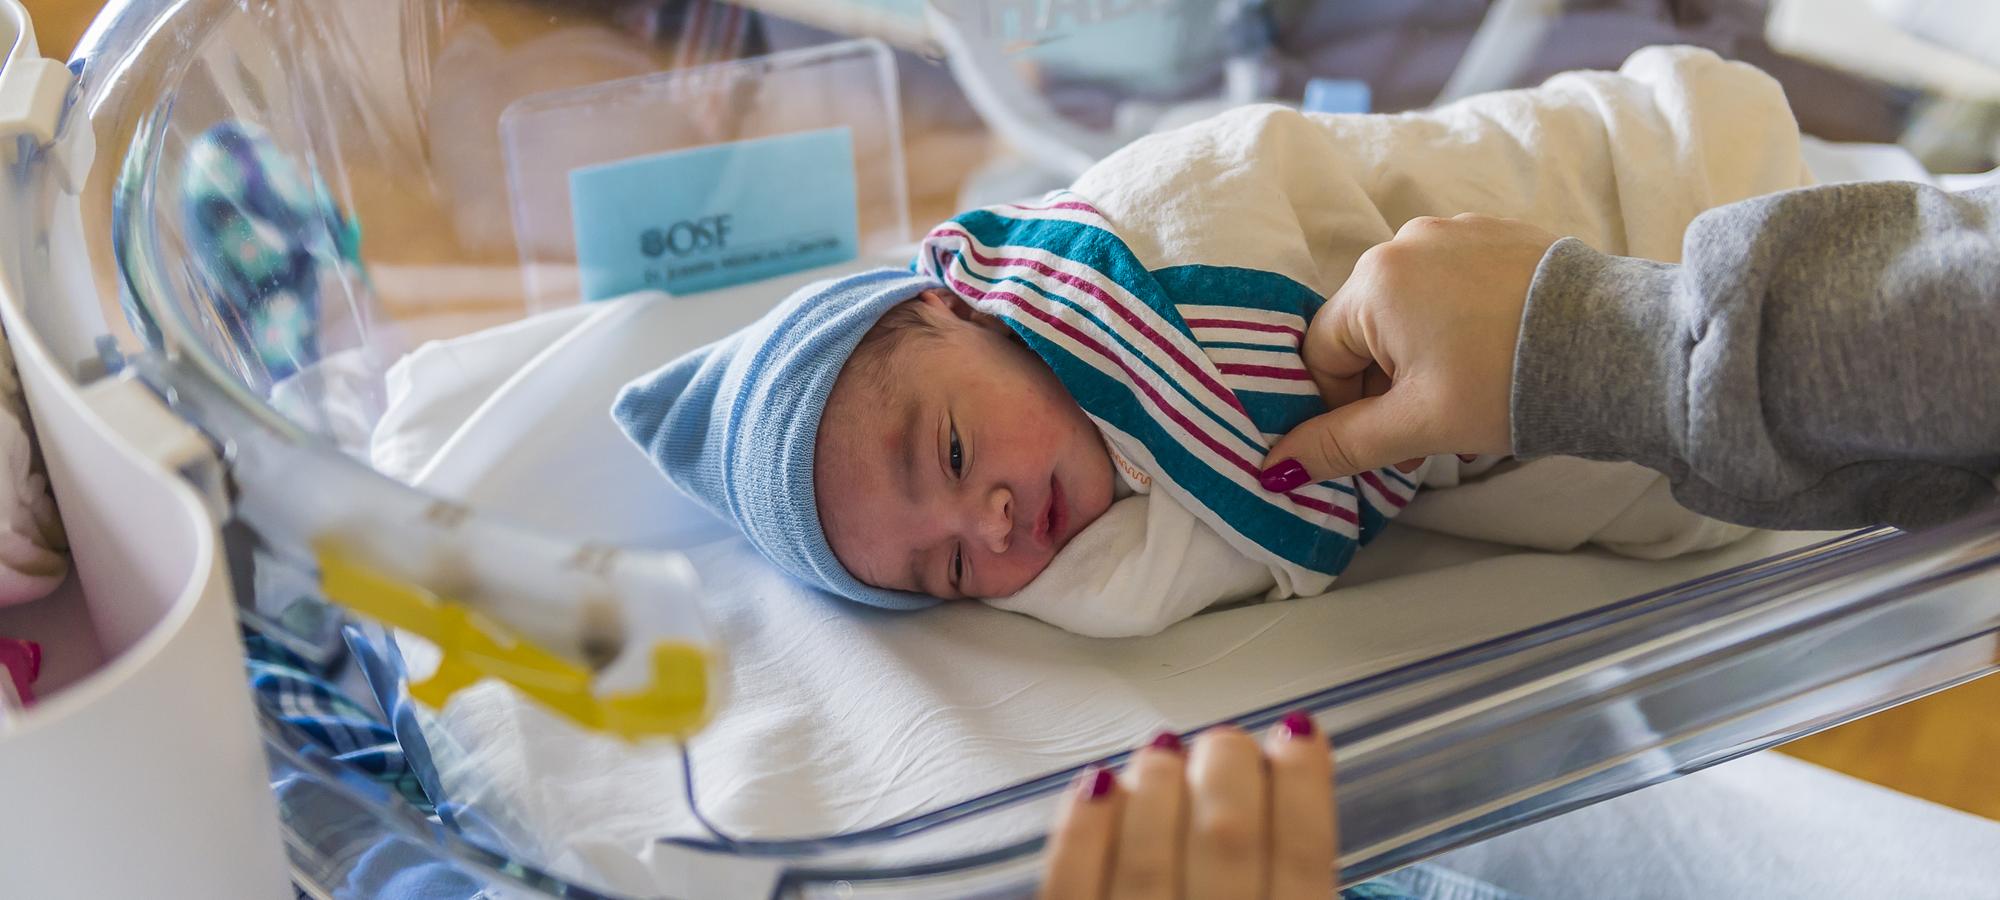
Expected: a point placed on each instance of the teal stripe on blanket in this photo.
(1205, 285)
(1279, 413)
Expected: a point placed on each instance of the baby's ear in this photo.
(951, 303)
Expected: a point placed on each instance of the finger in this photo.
(1375, 382)
(1367, 434)
(1146, 857)
(1334, 347)
(1417, 226)
(1228, 816)
(1303, 829)
(1080, 845)
(1338, 392)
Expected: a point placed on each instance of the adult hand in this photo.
(1228, 818)
(1415, 353)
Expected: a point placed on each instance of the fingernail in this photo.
(1167, 741)
(1286, 475)
(1100, 783)
(1298, 724)
(1467, 457)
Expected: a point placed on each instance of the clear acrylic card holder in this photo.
(701, 178)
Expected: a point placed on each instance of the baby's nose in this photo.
(996, 521)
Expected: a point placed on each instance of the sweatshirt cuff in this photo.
(1600, 368)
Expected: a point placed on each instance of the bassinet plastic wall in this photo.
(145, 778)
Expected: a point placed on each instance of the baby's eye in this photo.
(957, 455)
(957, 565)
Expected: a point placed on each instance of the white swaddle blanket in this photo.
(1624, 161)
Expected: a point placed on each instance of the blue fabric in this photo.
(733, 423)
(329, 720)
(403, 870)
(381, 664)
(374, 863)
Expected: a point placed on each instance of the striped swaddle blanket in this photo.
(1190, 371)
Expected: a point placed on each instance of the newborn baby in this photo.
(1062, 407)
(950, 459)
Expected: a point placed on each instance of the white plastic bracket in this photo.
(32, 95)
(143, 419)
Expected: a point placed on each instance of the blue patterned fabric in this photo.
(334, 723)
(269, 243)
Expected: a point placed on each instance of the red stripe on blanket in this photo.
(1375, 482)
(1240, 325)
(1263, 371)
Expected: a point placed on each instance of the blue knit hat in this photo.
(733, 423)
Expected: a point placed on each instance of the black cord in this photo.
(687, 790)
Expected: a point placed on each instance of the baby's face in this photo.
(966, 472)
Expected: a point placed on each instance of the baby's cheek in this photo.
(1017, 577)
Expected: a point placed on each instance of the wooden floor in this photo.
(58, 23)
(1944, 748)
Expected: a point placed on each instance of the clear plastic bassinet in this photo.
(426, 150)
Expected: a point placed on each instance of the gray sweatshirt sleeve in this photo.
(1822, 358)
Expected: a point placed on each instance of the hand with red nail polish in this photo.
(1414, 355)
(1228, 816)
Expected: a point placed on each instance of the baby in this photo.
(1062, 406)
(950, 460)
(966, 423)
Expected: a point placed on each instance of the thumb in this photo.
(1369, 433)
(1336, 355)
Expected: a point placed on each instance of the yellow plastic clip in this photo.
(674, 703)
